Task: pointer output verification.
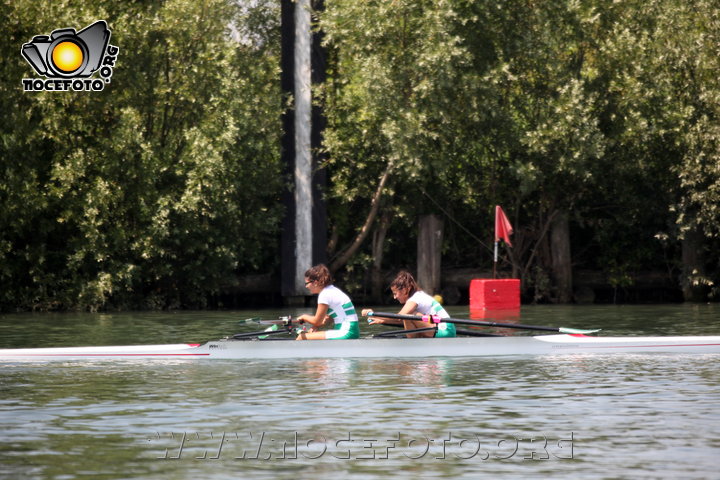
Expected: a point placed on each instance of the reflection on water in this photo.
(585, 416)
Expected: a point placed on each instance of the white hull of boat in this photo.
(380, 348)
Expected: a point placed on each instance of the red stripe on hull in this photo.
(111, 355)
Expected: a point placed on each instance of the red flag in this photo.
(503, 229)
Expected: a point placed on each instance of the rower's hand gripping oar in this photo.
(461, 321)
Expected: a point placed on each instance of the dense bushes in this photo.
(156, 191)
(595, 119)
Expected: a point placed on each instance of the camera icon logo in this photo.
(65, 55)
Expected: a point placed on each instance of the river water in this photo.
(651, 416)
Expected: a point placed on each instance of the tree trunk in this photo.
(561, 258)
(693, 281)
(378, 243)
(343, 257)
(429, 256)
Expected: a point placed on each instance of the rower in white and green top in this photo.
(333, 304)
(406, 291)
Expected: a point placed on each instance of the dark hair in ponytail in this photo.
(320, 275)
(405, 282)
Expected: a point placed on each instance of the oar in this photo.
(459, 331)
(284, 327)
(395, 333)
(461, 321)
(250, 320)
(474, 333)
(258, 320)
(260, 334)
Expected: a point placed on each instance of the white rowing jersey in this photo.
(427, 305)
(340, 307)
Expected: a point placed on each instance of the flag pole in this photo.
(495, 259)
(503, 229)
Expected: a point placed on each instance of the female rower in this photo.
(416, 302)
(333, 304)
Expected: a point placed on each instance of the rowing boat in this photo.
(563, 344)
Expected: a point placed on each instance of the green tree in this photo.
(553, 110)
(661, 62)
(406, 108)
(158, 190)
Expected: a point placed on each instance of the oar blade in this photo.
(261, 321)
(577, 331)
(274, 328)
(250, 320)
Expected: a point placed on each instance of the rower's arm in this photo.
(380, 320)
(410, 308)
(318, 319)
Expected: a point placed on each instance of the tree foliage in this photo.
(162, 189)
(607, 113)
(156, 191)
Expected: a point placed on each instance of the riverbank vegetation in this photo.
(596, 126)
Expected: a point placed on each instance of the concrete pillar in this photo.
(304, 235)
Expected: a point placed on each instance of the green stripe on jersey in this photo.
(349, 309)
(435, 306)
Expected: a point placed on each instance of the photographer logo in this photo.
(68, 59)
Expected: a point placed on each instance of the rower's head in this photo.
(317, 277)
(404, 286)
